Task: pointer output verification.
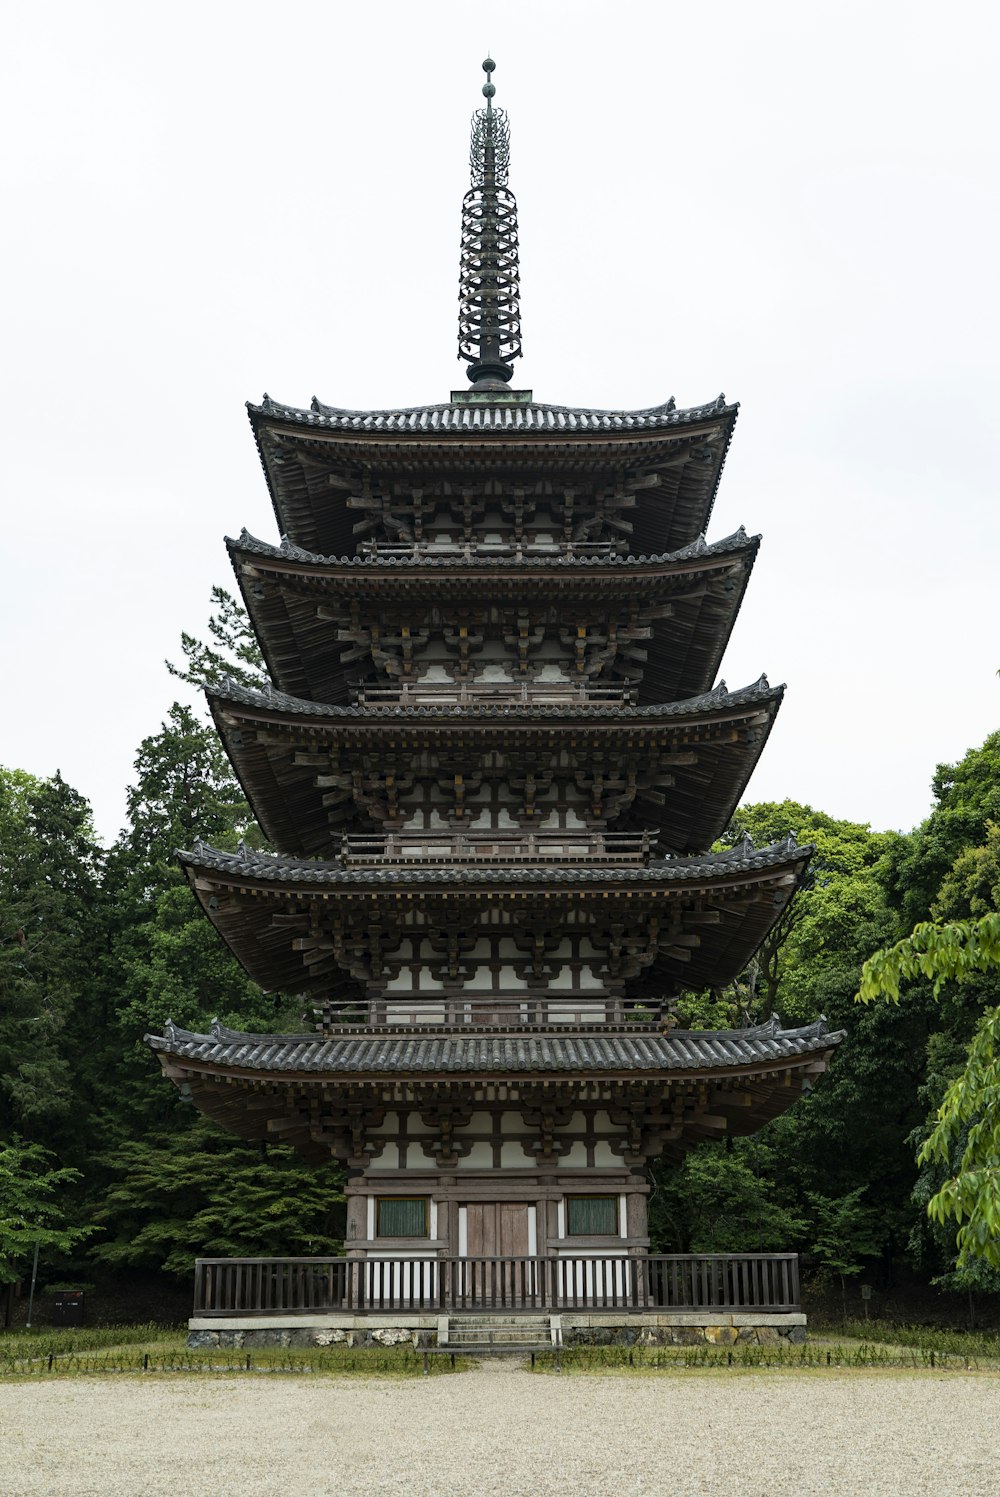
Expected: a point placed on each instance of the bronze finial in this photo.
(489, 318)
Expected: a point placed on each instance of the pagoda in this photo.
(494, 760)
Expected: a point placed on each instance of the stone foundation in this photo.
(689, 1328)
(684, 1335)
(305, 1336)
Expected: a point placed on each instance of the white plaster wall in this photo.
(479, 1157)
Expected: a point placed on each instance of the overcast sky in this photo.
(796, 204)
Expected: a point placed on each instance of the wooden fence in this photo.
(679, 1281)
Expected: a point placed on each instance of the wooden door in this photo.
(498, 1272)
(498, 1229)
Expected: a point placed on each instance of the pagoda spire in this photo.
(489, 318)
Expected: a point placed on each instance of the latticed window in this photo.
(403, 1216)
(592, 1216)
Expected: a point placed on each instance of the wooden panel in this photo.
(513, 1229)
(497, 1229)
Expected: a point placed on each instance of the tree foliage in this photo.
(198, 1192)
(231, 653)
(964, 1138)
(32, 1207)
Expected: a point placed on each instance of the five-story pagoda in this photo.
(493, 759)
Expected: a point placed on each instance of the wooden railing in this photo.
(504, 1011)
(474, 550)
(586, 1281)
(499, 847)
(495, 694)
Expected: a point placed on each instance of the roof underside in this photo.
(330, 930)
(330, 1096)
(689, 762)
(309, 612)
(315, 459)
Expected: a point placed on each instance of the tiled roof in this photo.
(500, 417)
(738, 541)
(271, 700)
(276, 868)
(681, 1050)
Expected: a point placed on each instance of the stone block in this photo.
(267, 1338)
(687, 1335)
(200, 1339)
(796, 1335)
(719, 1335)
(302, 1336)
(768, 1335)
(231, 1338)
(331, 1337)
(388, 1337)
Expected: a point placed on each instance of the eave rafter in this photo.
(325, 625)
(249, 1084)
(665, 926)
(314, 459)
(686, 767)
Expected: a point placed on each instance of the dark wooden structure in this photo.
(495, 761)
(639, 1284)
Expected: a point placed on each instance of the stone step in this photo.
(499, 1332)
(498, 1338)
(497, 1320)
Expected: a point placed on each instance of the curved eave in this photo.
(680, 1055)
(702, 586)
(272, 911)
(295, 447)
(256, 1085)
(270, 741)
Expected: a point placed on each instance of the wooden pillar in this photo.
(551, 1224)
(444, 1230)
(636, 1221)
(357, 1219)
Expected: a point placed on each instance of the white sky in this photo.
(796, 204)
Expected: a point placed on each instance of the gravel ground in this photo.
(501, 1432)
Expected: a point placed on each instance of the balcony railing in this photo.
(371, 1286)
(501, 1011)
(495, 694)
(516, 550)
(500, 847)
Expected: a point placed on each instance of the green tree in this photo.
(52, 949)
(960, 956)
(32, 1208)
(849, 1133)
(166, 961)
(723, 1199)
(839, 909)
(232, 653)
(846, 1232)
(967, 799)
(180, 1194)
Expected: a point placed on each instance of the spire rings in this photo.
(489, 304)
(489, 316)
(490, 128)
